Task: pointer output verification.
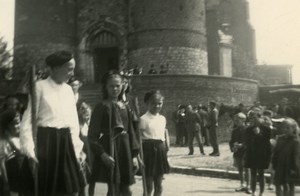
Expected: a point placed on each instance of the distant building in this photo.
(273, 74)
(122, 34)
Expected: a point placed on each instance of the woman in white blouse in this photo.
(58, 147)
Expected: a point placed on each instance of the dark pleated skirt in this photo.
(123, 171)
(13, 170)
(155, 158)
(58, 169)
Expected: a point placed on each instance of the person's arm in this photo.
(4, 174)
(74, 126)
(213, 118)
(167, 139)
(198, 118)
(231, 142)
(94, 131)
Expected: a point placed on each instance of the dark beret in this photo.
(58, 58)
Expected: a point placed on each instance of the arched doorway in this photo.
(105, 49)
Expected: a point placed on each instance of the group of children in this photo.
(116, 137)
(113, 134)
(258, 145)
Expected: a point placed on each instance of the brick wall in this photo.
(171, 31)
(42, 27)
(181, 60)
(195, 89)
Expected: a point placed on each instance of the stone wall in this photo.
(169, 32)
(195, 89)
(273, 74)
(42, 27)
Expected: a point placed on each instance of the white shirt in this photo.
(56, 107)
(152, 126)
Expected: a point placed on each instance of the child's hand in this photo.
(141, 162)
(135, 164)
(108, 160)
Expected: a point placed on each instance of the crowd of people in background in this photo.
(263, 139)
(198, 122)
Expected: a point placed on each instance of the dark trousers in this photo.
(182, 134)
(191, 136)
(177, 142)
(214, 139)
(205, 135)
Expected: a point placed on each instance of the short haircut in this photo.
(240, 115)
(58, 59)
(151, 94)
(213, 103)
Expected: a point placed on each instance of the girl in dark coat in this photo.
(286, 159)
(258, 149)
(112, 140)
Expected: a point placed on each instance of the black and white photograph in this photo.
(149, 97)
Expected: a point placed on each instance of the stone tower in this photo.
(169, 32)
(122, 34)
(114, 34)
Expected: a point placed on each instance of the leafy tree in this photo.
(5, 60)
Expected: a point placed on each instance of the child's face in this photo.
(12, 103)
(114, 87)
(287, 128)
(255, 120)
(155, 104)
(239, 121)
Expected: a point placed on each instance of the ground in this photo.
(182, 185)
(178, 157)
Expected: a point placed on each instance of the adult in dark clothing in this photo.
(204, 121)
(286, 159)
(213, 124)
(258, 149)
(180, 122)
(193, 122)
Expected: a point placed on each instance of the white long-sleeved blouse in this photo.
(55, 107)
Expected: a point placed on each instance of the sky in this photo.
(276, 23)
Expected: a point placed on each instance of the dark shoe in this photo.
(211, 153)
(247, 191)
(190, 153)
(270, 188)
(241, 189)
(202, 153)
(215, 154)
